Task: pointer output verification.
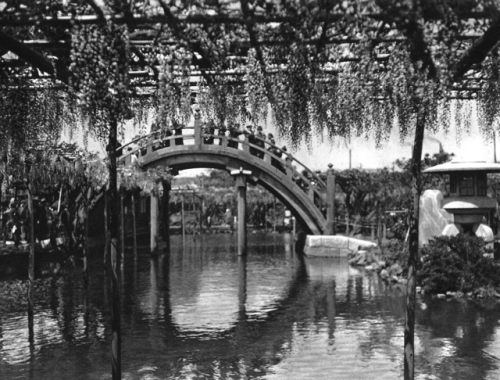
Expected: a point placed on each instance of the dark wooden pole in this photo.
(86, 244)
(134, 226)
(31, 264)
(166, 213)
(241, 186)
(122, 227)
(154, 222)
(113, 253)
(106, 227)
(409, 338)
(182, 220)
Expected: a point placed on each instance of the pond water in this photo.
(204, 313)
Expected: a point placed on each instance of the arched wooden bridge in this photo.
(299, 188)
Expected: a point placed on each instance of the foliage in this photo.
(299, 65)
(396, 251)
(457, 264)
(148, 181)
(100, 56)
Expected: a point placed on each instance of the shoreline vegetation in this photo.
(460, 267)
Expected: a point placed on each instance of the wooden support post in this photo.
(122, 226)
(242, 284)
(241, 186)
(113, 234)
(330, 201)
(150, 144)
(413, 257)
(134, 226)
(202, 208)
(31, 264)
(154, 222)
(86, 245)
(166, 213)
(183, 224)
(106, 228)
(198, 140)
(274, 214)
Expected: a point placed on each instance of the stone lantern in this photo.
(466, 197)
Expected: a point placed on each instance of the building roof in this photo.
(460, 166)
(463, 203)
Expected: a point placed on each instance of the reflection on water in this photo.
(203, 312)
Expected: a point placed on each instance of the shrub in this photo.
(396, 251)
(457, 263)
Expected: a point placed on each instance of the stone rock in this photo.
(484, 231)
(432, 218)
(381, 263)
(451, 229)
(384, 274)
(395, 269)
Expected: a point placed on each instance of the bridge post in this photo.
(197, 128)
(241, 185)
(149, 147)
(154, 222)
(330, 201)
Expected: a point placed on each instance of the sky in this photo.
(364, 154)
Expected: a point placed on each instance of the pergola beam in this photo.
(37, 60)
(68, 21)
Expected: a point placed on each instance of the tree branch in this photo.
(407, 17)
(97, 9)
(478, 51)
(56, 69)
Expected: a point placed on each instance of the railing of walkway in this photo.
(282, 162)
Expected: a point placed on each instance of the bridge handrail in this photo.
(314, 184)
(245, 141)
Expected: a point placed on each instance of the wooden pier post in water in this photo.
(241, 186)
(330, 203)
(154, 222)
(166, 213)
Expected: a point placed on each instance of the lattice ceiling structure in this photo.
(344, 66)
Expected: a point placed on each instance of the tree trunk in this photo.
(409, 338)
(113, 254)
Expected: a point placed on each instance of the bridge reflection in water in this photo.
(205, 313)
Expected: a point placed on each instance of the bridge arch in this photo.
(295, 185)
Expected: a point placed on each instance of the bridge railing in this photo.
(282, 161)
